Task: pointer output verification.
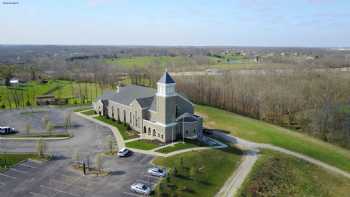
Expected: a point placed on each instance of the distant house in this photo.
(160, 114)
(14, 81)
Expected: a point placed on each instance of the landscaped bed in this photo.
(9, 160)
(89, 112)
(144, 144)
(82, 109)
(277, 174)
(181, 146)
(197, 172)
(43, 135)
(123, 129)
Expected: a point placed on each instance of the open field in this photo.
(9, 160)
(24, 95)
(259, 131)
(197, 172)
(276, 174)
(163, 61)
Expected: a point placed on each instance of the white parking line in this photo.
(19, 171)
(11, 177)
(28, 166)
(132, 194)
(37, 194)
(57, 190)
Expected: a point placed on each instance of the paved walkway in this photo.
(232, 185)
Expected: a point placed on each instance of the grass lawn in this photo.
(143, 144)
(24, 94)
(126, 134)
(9, 160)
(181, 146)
(82, 109)
(197, 172)
(89, 113)
(276, 174)
(259, 131)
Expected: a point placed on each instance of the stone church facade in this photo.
(160, 114)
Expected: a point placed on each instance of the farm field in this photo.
(262, 132)
(163, 61)
(276, 174)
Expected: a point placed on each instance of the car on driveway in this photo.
(140, 188)
(124, 152)
(155, 171)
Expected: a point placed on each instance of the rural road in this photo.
(236, 180)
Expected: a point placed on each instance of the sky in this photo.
(294, 23)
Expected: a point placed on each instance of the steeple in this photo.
(166, 78)
(166, 86)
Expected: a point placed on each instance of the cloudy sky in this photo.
(314, 23)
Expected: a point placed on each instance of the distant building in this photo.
(14, 81)
(160, 114)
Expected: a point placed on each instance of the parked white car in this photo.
(7, 130)
(140, 188)
(155, 171)
(124, 152)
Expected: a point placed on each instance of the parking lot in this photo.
(58, 179)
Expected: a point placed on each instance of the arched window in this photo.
(154, 132)
(149, 131)
(144, 130)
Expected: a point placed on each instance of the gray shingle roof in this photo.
(166, 78)
(145, 102)
(129, 93)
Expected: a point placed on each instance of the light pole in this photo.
(183, 133)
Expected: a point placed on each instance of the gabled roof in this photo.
(145, 102)
(127, 94)
(166, 78)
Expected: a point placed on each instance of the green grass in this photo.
(89, 113)
(42, 134)
(277, 174)
(259, 131)
(126, 134)
(82, 109)
(143, 144)
(25, 93)
(162, 61)
(9, 160)
(181, 146)
(197, 172)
